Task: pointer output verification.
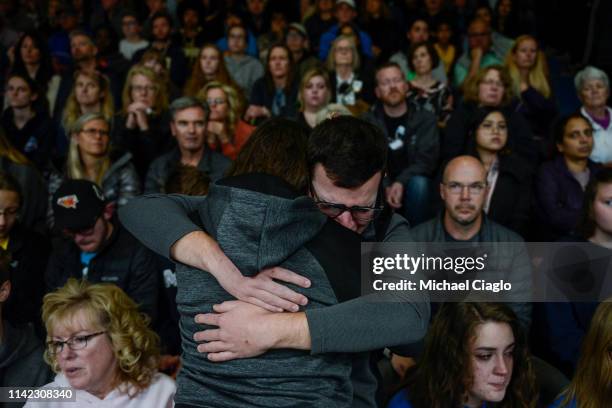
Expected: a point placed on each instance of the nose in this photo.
(465, 193)
(346, 219)
(501, 365)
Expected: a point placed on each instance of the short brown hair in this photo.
(187, 180)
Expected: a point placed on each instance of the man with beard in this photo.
(413, 141)
(162, 41)
(463, 190)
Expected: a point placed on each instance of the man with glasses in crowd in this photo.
(464, 191)
(188, 126)
(347, 160)
(413, 140)
(479, 53)
(98, 248)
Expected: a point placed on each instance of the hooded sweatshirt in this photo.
(276, 231)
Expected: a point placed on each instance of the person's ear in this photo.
(442, 192)
(5, 291)
(109, 211)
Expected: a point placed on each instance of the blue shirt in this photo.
(400, 400)
(557, 403)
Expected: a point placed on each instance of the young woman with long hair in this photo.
(528, 70)
(475, 354)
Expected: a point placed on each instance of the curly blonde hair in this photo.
(135, 345)
(161, 90)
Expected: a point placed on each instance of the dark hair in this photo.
(188, 5)
(561, 124)
(433, 54)
(443, 374)
(385, 65)
(187, 180)
(5, 268)
(240, 25)
(479, 116)
(9, 183)
(277, 148)
(34, 88)
(132, 13)
(45, 71)
(587, 223)
(351, 150)
(290, 73)
(162, 14)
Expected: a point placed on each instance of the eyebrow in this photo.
(494, 348)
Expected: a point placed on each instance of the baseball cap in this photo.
(77, 205)
(350, 3)
(299, 28)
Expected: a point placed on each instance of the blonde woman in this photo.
(143, 127)
(526, 65)
(100, 345)
(591, 386)
(90, 94)
(225, 128)
(90, 158)
(314, 95)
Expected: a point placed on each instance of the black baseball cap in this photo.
(77, 205)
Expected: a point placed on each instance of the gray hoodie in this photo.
(275, 232)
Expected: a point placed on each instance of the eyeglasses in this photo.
(74, 343)
(94, 132)
(492, 82)
(144, 88)
(358, 212)
(215, 101)
(483, 34)
(473, 189)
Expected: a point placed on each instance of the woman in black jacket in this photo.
(509, 178)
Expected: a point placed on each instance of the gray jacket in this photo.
(212, 163)
(380, 324)
(275, 232)
(420, 149)
(512, 257)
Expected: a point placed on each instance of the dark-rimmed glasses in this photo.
(358, 212)
(74, 343)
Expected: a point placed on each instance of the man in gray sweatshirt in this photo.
(346, 161)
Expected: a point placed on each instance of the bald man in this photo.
(464, 190)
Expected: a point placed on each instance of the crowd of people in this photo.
(185, 187)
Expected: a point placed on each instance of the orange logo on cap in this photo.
(69, 201)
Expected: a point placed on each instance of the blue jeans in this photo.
(418, 204)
